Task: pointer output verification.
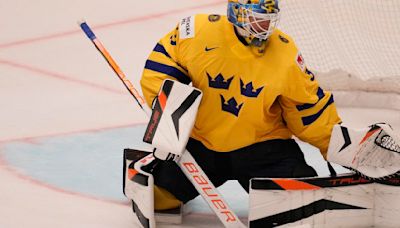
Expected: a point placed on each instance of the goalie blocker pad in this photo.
(172, 119)
(348, 200)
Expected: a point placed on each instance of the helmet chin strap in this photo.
(257, 45)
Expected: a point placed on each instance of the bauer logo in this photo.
(208, 192)
(186, 29)
(153, 123)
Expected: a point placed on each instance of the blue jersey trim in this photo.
(168, 70)
(320, 95)
(310, 119)
(160, 48)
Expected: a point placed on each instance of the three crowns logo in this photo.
(219, 82)
(232, 106)
(248, 90)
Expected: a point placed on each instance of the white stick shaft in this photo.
(208, 191)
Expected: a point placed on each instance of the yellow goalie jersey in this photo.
(247, 98)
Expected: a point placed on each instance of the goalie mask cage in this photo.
(352, 46)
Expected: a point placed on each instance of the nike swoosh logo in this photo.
(210, 49)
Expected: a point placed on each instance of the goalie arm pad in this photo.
(373, 151)
(172, 119)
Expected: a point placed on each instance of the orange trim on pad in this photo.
(162, 98)
(132, 173)
(369, 135)
(289, 184)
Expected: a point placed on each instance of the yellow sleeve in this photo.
(309, 111)
(163, 63)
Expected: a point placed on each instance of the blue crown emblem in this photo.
(231, 106)
(248, 90)
(219, 82)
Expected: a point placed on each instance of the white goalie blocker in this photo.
(373, 152)
(172, 119)
(345, 201)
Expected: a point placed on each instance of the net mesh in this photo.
(350, 45)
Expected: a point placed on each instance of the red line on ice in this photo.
(59, 76)
(107, 25)
(33, 139)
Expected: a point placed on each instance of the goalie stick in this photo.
(187, 163)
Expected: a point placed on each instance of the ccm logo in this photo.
(205, 186)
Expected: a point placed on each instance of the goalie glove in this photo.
(374, 152)
(172, 119)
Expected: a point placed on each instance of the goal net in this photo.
(352, 46)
